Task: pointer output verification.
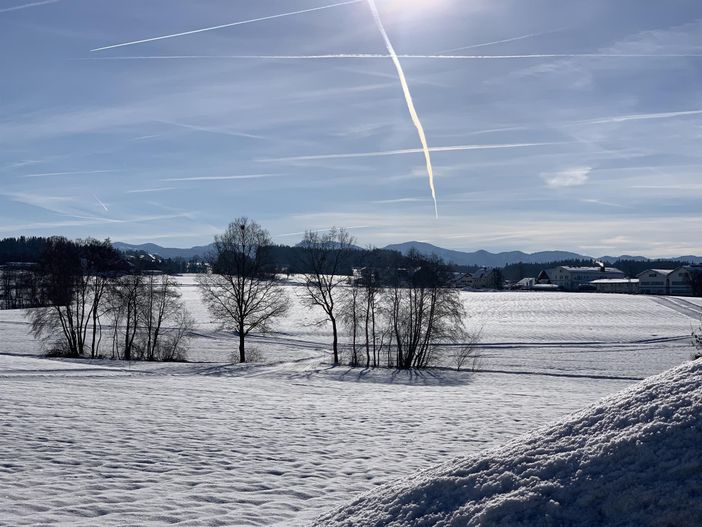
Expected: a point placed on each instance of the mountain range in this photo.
(477, 258)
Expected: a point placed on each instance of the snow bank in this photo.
(634, 458)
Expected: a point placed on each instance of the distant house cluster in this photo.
(683, 281)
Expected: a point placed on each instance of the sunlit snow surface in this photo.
(209, 443)
(634, 458)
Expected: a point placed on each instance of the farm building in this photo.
(683, 281)
(617, 285)
(571, 278)
(655, 281)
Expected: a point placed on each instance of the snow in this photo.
(283, 440)
(228, 445)
(634, 458)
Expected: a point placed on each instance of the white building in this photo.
(575, 278)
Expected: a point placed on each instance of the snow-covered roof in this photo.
(616, 281)
(635, 458)
(592, 269)
(659, 271)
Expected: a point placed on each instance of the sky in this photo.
(552, 125)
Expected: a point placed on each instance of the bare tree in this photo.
(351, 314)
(160, 305)
(464, 351)
(424, 313)
(363, 313)
(243, 293)
(125, 300)
(324, 260)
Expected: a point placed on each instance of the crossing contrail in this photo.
(26, 6)
(404, 151)
(232, 24)
(408, 98)
(373, 56)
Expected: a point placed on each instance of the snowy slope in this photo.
(634, 458)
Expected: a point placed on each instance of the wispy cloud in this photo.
(223, 178)
(572, 177)
(27, 6)
(231, 24)
(456, 148)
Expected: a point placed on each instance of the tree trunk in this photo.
(242, 352)
(336, 341)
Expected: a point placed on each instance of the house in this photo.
(628, 286)
(461, 280)
(572, 278)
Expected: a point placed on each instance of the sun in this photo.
(410, 6)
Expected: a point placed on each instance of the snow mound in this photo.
(634, 458)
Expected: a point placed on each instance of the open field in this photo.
(212, 443)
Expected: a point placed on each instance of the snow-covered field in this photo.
(634, 458)
(211, 443)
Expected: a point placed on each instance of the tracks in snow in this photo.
(681, 306)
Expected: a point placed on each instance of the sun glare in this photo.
(410, 6)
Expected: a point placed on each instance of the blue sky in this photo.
(596, 150)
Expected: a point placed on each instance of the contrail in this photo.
(456, 148)
(26, 6)
(51, 174)
(503, 41)
(415, 56)
(222, 178)
(408, 99)
(638, 117)
(211, 130)
(101, 203)
(232, 24)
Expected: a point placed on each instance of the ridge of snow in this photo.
(634, 458)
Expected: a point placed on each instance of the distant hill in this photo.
(478, 258)
(485, 258)
(165, 252)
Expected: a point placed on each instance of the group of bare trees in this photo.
(92, 298)
(408, 318)
(399, 318)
